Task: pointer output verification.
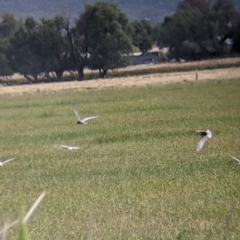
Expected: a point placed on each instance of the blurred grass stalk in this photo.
(23, 234)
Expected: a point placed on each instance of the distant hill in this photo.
(154, 10)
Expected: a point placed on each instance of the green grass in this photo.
(138, 175)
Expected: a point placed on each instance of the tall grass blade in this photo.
(34, 206)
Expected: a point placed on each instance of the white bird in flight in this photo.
(6, 161)
(82, 121)
(69, 147)
(204, 136)
(235, 159)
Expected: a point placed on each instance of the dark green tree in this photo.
(5, 69)
(142, 35)
(107, 37)
(225, 16)
(26, 51)
(191, 32)
(202, 5)
(170, 35)
(76, 43)
(38, 49)
(50, 38)
(236, 35)
(156, 32)
(8, 25)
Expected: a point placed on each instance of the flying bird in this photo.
(82, 121)
(2, 163)
(69, 147)
(235, 158)
(204, 135)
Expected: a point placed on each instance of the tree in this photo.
(141, 36)
(191, 32)
(170, 35)
(26, 51)
(77, 43)
(156, 32)
(5, 69)
(236, 35)
(225, 15)
(8, 25)
(202, 5)
(106, 35)
(38, 50)
(50, 37)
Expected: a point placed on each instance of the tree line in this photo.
(199, 30)
(102, 38)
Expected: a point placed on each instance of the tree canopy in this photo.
(102, 38)
(197, 29)
(142, 35)
(108, 37)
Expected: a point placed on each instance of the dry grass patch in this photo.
(130, 81)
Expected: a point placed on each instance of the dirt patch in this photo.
(163, 78)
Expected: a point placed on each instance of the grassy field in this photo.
(137, 176)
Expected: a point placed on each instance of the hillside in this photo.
(154, 10)
(135, 9)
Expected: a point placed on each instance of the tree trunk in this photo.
(102, 73)
(28, 78)
(59, 74)
(80, 73)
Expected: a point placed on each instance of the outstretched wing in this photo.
(8, 160)
(77, 116)
(88, 118)
(75, 148)
(201, 133)
(235, 158)
(64, 146)
(201, 143)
